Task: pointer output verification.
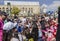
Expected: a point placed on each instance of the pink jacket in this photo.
(1, 30)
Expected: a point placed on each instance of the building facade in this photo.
(24, 6)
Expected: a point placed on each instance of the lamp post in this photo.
(9, 8)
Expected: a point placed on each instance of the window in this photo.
(31, 10)
(3, 9)
(11, 8)
(7, 10)
(0, 9)
(26, 9)
(23, 9)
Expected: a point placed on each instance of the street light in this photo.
(9, 8)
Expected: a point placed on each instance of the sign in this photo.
(1, 2)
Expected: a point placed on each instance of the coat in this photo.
(1, 30)
(43, 24)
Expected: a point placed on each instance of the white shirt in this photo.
(20, 37)
(24, 20)
(40, 33)
(7, 26)
(15, 24)
(49, 34)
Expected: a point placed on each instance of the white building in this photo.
(24, 6)
(21, 3)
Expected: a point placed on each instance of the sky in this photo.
(51, 4)
(41, 1)
(48, 2)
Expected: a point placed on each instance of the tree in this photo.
(15, 11)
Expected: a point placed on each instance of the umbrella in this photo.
(8, 26)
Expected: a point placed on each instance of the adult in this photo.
(43, 23)
(23, 20)
(40, 34)
(3, 16)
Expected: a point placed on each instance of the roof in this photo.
(21, 3)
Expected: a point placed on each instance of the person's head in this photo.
(9, 20)
(42, 18)
(24, 17)
(3, 15)
(46, 24)
(14, 29)
(39, 26)
(15, 17)
(31, 26)
(52, 22)
(15, 20)
(39, 19)
(19, 24)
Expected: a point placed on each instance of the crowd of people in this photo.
(36, 28)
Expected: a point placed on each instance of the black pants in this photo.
(6, 35)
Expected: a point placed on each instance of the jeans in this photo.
(40, 39)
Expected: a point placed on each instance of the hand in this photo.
(15, 29)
